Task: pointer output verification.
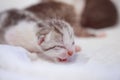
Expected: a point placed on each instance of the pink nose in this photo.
(70, 53)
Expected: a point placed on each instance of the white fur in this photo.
(69, 37)
(23, 34)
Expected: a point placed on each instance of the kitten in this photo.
(99, 14)
(52, 37)
(51, 9)
(94, 13)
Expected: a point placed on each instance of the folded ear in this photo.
(41, 39)
(43, 30)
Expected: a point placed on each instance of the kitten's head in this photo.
(56, 39)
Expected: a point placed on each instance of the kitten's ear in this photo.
(43, 30)
(41, 39)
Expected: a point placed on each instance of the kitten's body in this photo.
(99, 14)
(53, 38)
(10, 18)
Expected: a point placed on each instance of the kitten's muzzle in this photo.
(62, 60)
(69, 53)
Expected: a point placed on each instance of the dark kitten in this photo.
(99, 14)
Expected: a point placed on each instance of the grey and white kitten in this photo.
(54, 38)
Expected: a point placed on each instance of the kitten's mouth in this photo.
(62, 60)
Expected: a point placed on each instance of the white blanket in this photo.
(102, 64)
(98, 60)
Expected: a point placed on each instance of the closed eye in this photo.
(55, 47)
